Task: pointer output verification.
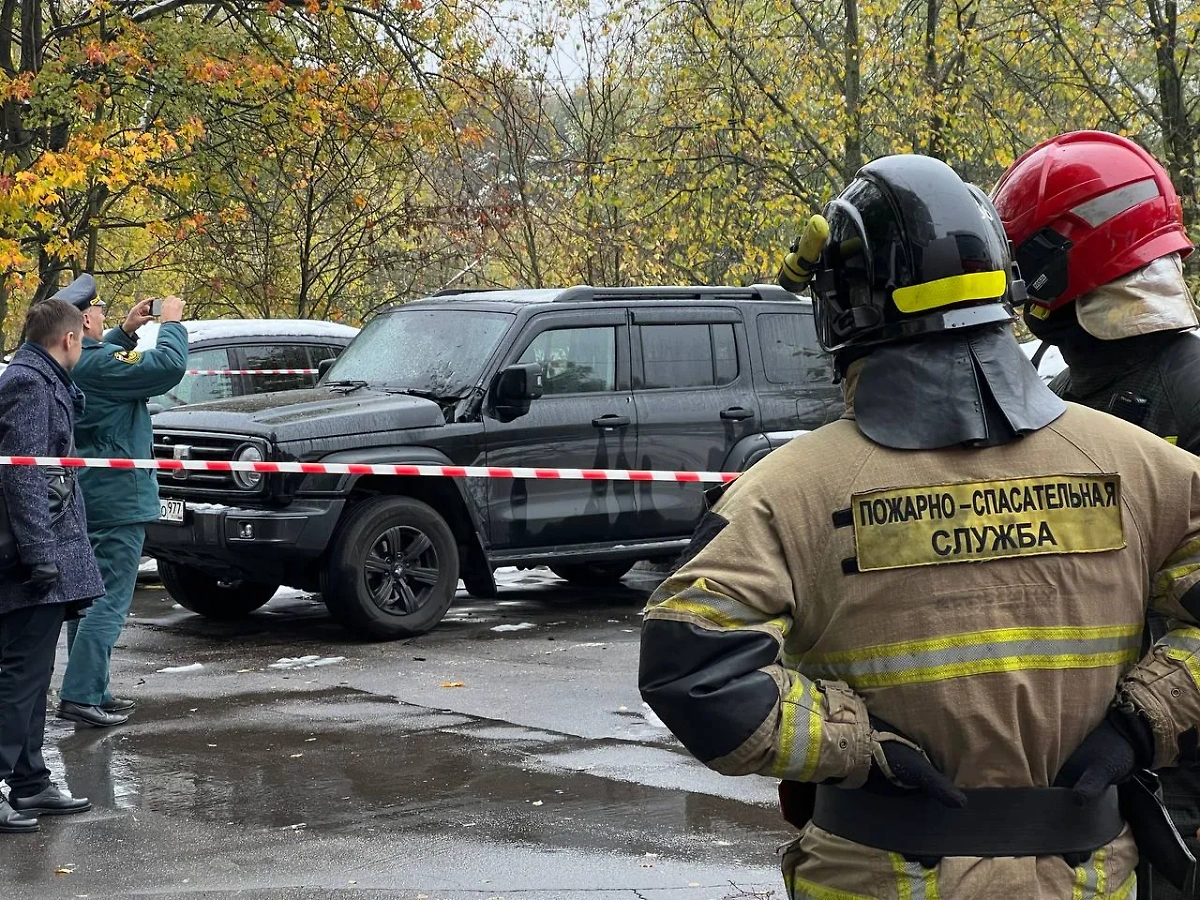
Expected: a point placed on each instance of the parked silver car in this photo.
(296, 346)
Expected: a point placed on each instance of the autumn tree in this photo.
(119, 117)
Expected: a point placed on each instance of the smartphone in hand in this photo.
(156, 307)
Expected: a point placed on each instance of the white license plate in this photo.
(170, 511)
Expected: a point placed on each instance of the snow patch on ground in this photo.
(306, 662)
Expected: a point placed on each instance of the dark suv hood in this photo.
(297, 415)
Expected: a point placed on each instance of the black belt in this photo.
(995, 822)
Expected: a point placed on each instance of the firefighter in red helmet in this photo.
(1098, 233)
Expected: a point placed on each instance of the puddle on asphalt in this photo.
(343, 762)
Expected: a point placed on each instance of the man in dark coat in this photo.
(55, 575)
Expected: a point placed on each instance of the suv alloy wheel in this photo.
(393, 570)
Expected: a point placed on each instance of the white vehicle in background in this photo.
(1048, 361)
(295, 346)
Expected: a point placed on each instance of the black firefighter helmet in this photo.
(913, 250)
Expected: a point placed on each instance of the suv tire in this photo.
(593, 573)
(393, 569)
(210, 597)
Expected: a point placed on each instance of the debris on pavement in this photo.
(306, 662)
(175, 670)
(523, 626)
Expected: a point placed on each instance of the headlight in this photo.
(248, 481)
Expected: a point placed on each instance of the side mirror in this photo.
(515, 388)
(323, 368)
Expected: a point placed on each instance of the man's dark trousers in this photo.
(28, 638)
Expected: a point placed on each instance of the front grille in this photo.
(199, 446)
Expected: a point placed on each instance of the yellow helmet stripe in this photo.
(948, 291)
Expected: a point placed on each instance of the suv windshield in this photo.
(435, 351)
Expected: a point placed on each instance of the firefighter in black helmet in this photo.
(911, 250)
(925, 617)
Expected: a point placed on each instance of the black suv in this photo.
(624, 378)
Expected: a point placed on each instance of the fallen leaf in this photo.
(64, 871)
(453, 684)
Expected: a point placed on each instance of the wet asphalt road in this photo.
(467, 763)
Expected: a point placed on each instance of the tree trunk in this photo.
(1179, 134)
(3, 310)
(933, 142)
(852, 157)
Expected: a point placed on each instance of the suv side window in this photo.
(688, 356)
(575, 360)
(789, 348)
(279, 356)
(200, 388)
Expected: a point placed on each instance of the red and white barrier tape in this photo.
(253, 371)
(303, 468)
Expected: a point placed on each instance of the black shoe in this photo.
(119, 705)
(89, 715)
(53, 801)
(13, 822)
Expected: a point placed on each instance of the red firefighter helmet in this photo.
(1084, 208)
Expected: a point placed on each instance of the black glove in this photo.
(899, 766)
(1108, 755)
(43, 577)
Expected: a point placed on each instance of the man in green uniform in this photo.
(117, 379)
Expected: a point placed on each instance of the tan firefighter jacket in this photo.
(989, 603)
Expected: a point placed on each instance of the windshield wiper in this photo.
(426, 395)
(351, 386)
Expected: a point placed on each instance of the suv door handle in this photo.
(736, 414)
(611, 421)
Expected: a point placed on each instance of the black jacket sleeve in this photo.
(1179, 367)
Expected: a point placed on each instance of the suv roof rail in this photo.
(775, 292)
(450, 292)
(586, 293)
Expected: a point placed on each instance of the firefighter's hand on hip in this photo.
(897, 763)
